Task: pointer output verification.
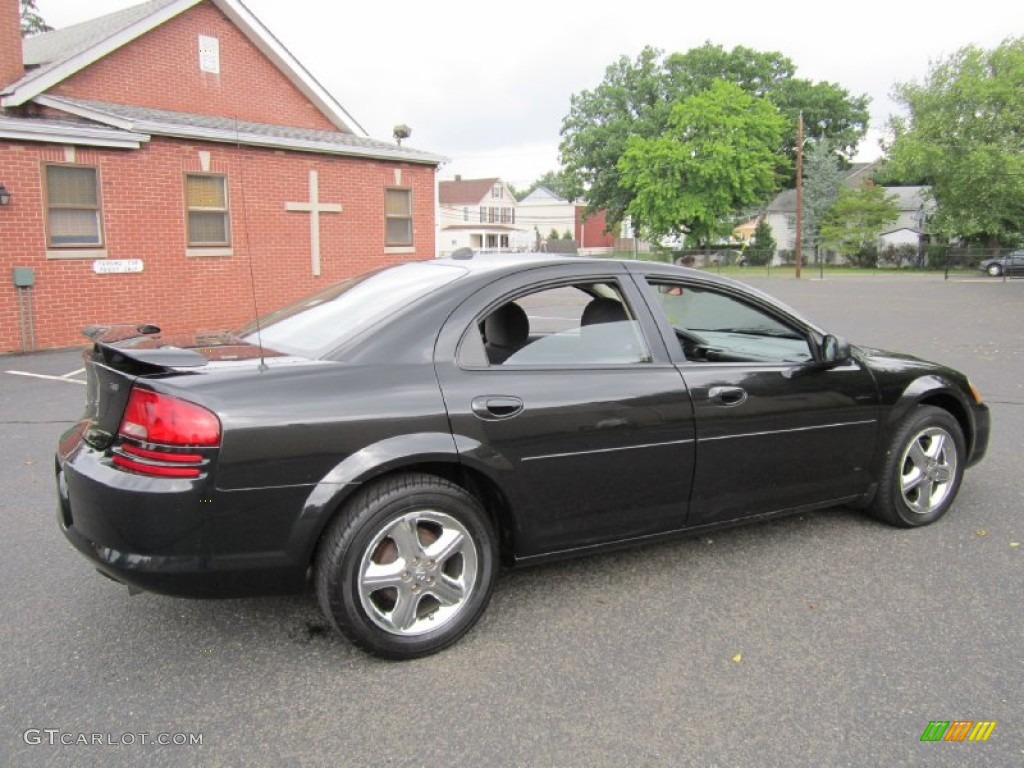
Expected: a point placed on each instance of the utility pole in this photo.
(799, 191)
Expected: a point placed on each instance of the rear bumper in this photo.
(171, 536)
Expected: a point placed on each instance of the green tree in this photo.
(821, 182)
(718, 154)
(852, 225)
(963, 138)
(828, 109)
(763, 244)
(31, 22)
(636, 98)
(632, 100)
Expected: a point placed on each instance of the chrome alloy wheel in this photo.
(417, 574)
(928, 469)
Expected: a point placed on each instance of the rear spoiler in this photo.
(144, 343)
(141, 344)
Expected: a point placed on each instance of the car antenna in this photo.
(248, 247)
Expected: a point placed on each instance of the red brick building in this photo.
(167, 162)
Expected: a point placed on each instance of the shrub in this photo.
(865, 257)
(900, 255)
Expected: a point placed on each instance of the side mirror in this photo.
(835, 350)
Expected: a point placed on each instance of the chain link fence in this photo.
(1006, 263)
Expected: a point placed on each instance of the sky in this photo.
(488, 84)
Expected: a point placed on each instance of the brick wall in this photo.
(144, 218)
(161, 70)
(10, 42)
(590, 231)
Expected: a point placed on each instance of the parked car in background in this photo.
(1010, 264)
(392, 439)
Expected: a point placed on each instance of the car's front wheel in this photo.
(922, 470)
(407, 567)
(995, 270)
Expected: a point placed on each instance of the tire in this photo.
(922, 469)
(407, 567)
(995, 270)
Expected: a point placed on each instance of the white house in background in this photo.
(542, 210)
(481, 214)
(781, 212)
(914, 205)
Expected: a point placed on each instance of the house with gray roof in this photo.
(174, 163)
(915, 205)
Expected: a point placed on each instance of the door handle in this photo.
(493, 407)
(727, 396)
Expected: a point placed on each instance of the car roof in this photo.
(491, 265)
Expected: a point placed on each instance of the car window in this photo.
(317, 324)
(712, 326)
(577, 324)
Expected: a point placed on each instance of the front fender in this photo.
(921, 389)
(940, 390)
(346, 478)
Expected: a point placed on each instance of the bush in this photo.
(762, 246)
(866, 257)
(900, 255)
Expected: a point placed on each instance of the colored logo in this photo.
(958, 730)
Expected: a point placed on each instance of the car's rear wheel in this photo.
(995, 270)
(407, 567)
(922, 471)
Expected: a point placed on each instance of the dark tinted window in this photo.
(317, 324)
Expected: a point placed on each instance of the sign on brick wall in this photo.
(116, 266)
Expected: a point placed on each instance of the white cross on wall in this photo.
(314, 207)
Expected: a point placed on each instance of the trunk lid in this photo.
(122, 354)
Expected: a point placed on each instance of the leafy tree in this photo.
(636, 98)
(631, 101)
(553, 234)
(557, 181)
(852, 225)
(31, 22)
(718, 154)
(828, 109)
(821, 182)
(761, 250)
(963, 137)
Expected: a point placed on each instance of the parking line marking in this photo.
(73, 373)
(45, 376)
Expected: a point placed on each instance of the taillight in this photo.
(168, 426)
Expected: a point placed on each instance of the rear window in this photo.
(317, 324)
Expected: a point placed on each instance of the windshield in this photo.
(319, 323)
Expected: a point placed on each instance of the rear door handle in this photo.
(493, 407)
(727, 396)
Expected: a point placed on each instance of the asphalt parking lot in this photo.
(824, 639)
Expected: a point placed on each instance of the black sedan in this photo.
(1010, 264)
(396, 437)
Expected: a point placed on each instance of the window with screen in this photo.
(206, 200)
(74, 217)
(398, 215)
